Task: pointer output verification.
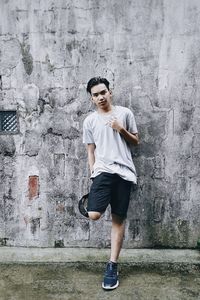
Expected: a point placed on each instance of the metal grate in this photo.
(8, 121)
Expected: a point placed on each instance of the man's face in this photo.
(101, 96)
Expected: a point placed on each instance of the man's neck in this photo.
(106, 110)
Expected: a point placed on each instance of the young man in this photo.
(108, 133)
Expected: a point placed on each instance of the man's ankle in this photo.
(113, 261)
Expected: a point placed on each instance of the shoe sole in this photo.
(111, 287)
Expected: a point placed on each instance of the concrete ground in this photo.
(65, 273)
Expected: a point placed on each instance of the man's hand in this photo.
(115, 124)
(129, 137)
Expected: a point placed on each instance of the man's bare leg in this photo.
(94, 215)
(117, 235)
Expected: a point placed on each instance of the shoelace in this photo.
(111, 269)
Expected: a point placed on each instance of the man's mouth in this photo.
(102, 102)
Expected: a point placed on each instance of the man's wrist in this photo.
(121, 129)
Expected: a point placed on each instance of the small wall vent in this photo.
(8, 122)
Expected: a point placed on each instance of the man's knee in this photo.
(119, 220)
(94, 215)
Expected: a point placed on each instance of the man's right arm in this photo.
(91, 156)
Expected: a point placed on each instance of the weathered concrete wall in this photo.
(149, 50)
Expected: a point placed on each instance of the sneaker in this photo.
(110, 281)
(82, 205)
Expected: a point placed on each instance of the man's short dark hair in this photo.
(97, 80)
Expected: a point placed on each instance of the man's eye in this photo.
(103, 92)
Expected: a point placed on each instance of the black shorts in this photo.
(109, 189)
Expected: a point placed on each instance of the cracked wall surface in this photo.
(149, 51)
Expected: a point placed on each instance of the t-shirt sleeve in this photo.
(131, 124)
(87, 133)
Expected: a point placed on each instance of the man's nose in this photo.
(100, 97)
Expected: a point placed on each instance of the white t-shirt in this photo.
(112, 153)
